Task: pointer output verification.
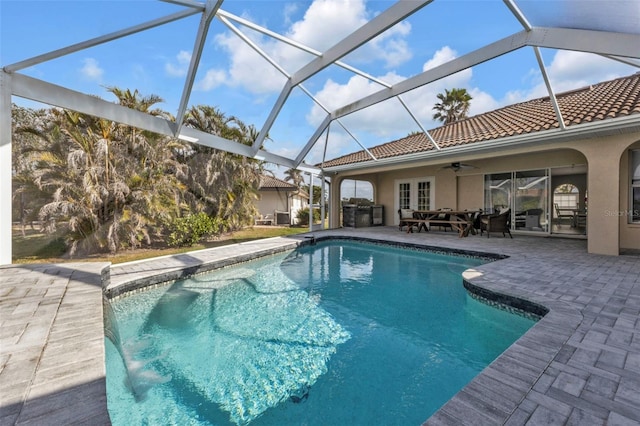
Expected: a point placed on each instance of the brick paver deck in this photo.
(579, 365)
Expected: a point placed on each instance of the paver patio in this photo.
(579, 365)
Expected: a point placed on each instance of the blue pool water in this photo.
(338, 333)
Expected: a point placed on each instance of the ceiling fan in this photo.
(455, 166)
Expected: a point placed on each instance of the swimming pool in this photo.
(335, 333)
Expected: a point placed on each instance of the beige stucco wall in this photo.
(270, 201)
(607, 183)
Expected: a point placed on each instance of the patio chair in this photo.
(405, 214)
(563, 214)
(476, 220)
(496, 222)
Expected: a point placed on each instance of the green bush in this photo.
(190, 229)
(54, 248)
(303, 216)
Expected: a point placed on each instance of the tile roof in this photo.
(606, 100)
(273, 183)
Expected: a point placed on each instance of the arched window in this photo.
(566, 196)
(635, 186)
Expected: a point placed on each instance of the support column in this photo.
(310, 202)
(322, 197)
(5, 168)
(603, 224)
(335, 204)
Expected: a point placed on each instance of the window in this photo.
(566, 196)
(634, 216)
(424, 193)
(404, 195)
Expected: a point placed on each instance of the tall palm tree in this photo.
(294, 176)
(453, 106)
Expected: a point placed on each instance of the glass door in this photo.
(531, 205)
(497, 192)
(526, 193)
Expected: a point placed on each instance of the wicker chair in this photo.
(500, 222)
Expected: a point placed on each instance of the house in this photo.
(279, 202)
(521, 157)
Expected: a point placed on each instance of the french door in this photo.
(415, 194)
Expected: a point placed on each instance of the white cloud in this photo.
(334, 95)
(391, 46)
(180, 67)
(444, 55)
(212, 79)
(324, 23)
(572, 70)
(568, 71)
(328, 21)
(344, 16)
(249, 70)
(288, 11)
(91, 70)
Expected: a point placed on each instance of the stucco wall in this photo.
(470, 192)
(271, 201)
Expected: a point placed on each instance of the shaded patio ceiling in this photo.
(609, 28)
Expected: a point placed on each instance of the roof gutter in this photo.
(621, 125)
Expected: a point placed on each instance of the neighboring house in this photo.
(279, 202)
(519, 156)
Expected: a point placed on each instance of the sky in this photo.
(235, 79)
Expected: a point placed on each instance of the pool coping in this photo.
(589, 335)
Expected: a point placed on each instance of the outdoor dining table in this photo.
(460, 220)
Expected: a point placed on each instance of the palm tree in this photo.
(453, 105)
(27, 142)
(222, 184)
(111, 185)
(294, 176)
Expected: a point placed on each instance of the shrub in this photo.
(54, 248)
(188, 230)
(303, 216)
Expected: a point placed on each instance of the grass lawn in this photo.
(36, 247)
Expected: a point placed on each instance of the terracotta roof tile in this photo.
(270, 182)
(606, 100)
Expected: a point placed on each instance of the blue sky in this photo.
(239, 82)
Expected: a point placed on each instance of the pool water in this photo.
(331, 334)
